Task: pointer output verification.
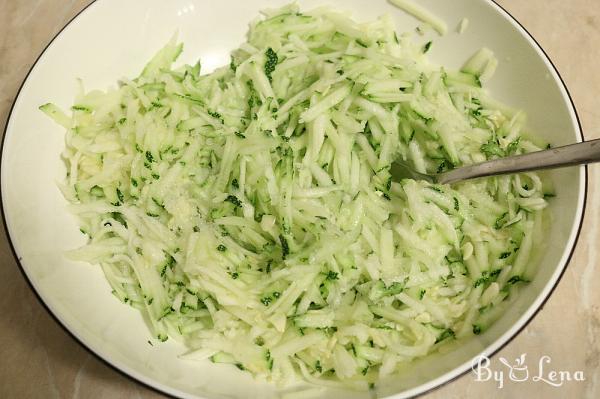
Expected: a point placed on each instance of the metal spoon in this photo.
(569, 155)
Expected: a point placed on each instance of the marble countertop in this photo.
(38, 359)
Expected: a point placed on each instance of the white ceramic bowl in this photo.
(112, 39)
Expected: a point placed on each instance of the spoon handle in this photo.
(569, 155)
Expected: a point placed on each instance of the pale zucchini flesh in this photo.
(250, 212)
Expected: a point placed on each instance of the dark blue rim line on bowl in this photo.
(158, 390)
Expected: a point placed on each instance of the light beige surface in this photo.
(38, 359)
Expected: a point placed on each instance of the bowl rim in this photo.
(422, 389)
